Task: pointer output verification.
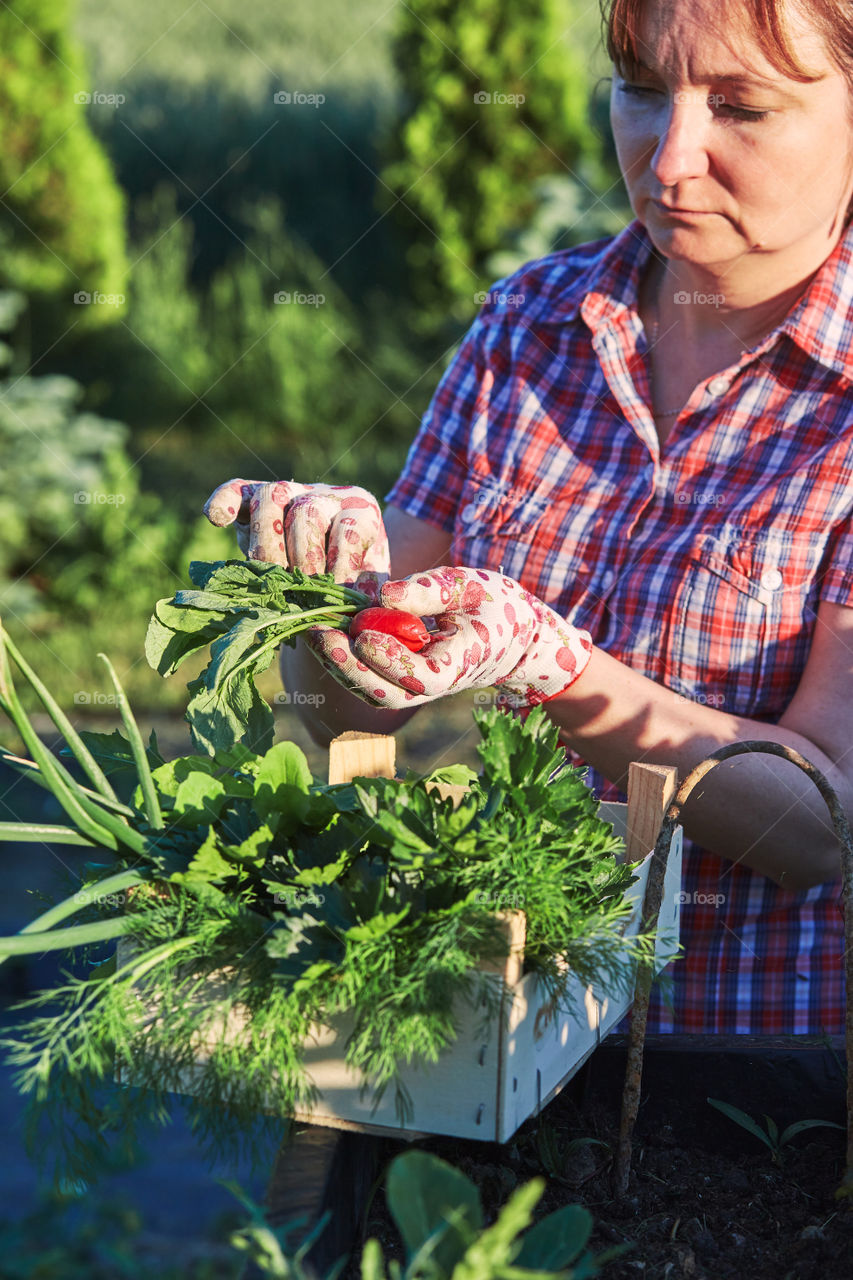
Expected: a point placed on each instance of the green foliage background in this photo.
(63, 223)
(183, 186)
(495, 98)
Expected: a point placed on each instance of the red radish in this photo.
(405, 627)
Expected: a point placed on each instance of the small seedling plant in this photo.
(770, 1135)
(251, 895)
(439, 1215)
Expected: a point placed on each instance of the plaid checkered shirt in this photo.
(700, 563)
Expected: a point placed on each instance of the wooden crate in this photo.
(499, 1072)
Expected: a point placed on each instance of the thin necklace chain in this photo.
(660, 413)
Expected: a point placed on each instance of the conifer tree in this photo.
(61, 210)
(495, 96)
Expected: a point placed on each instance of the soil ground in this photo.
(699, 1212)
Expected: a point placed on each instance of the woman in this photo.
(644, 470)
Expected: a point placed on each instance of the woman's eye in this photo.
(742, 113)
(638, 89)
(727, 109)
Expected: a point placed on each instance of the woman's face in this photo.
(741, 155)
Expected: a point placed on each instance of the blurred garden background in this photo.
(237, 239)
(245, 239)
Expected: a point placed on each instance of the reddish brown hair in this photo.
(832, 19)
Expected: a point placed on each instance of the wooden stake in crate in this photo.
(650, 789)
(361, 755)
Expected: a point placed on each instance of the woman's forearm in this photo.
(757, 810)
(324, 706)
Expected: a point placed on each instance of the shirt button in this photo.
(718, 386)
(607, 579)
(771, 579)
(469, 513)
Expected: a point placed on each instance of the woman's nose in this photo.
(681, 149)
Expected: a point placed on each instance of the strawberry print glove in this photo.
(318, 528)
(491, 632)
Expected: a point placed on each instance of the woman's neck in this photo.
(725, 308)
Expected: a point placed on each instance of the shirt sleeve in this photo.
(433, 476)
(837, 583)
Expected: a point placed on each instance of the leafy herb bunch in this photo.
(245, 610)
(252, 898)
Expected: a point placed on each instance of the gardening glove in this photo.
(492, 633)
(318, 528)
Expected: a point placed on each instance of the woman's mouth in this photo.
(676, 212)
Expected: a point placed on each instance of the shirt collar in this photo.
(819, 323)
(605, 284)
(616, 283)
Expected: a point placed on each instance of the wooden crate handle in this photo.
(361, 755)
(651, 787)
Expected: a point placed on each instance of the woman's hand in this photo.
(318, 528)
(493, 633)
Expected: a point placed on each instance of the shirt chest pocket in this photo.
(742, 621)
(496, 527)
